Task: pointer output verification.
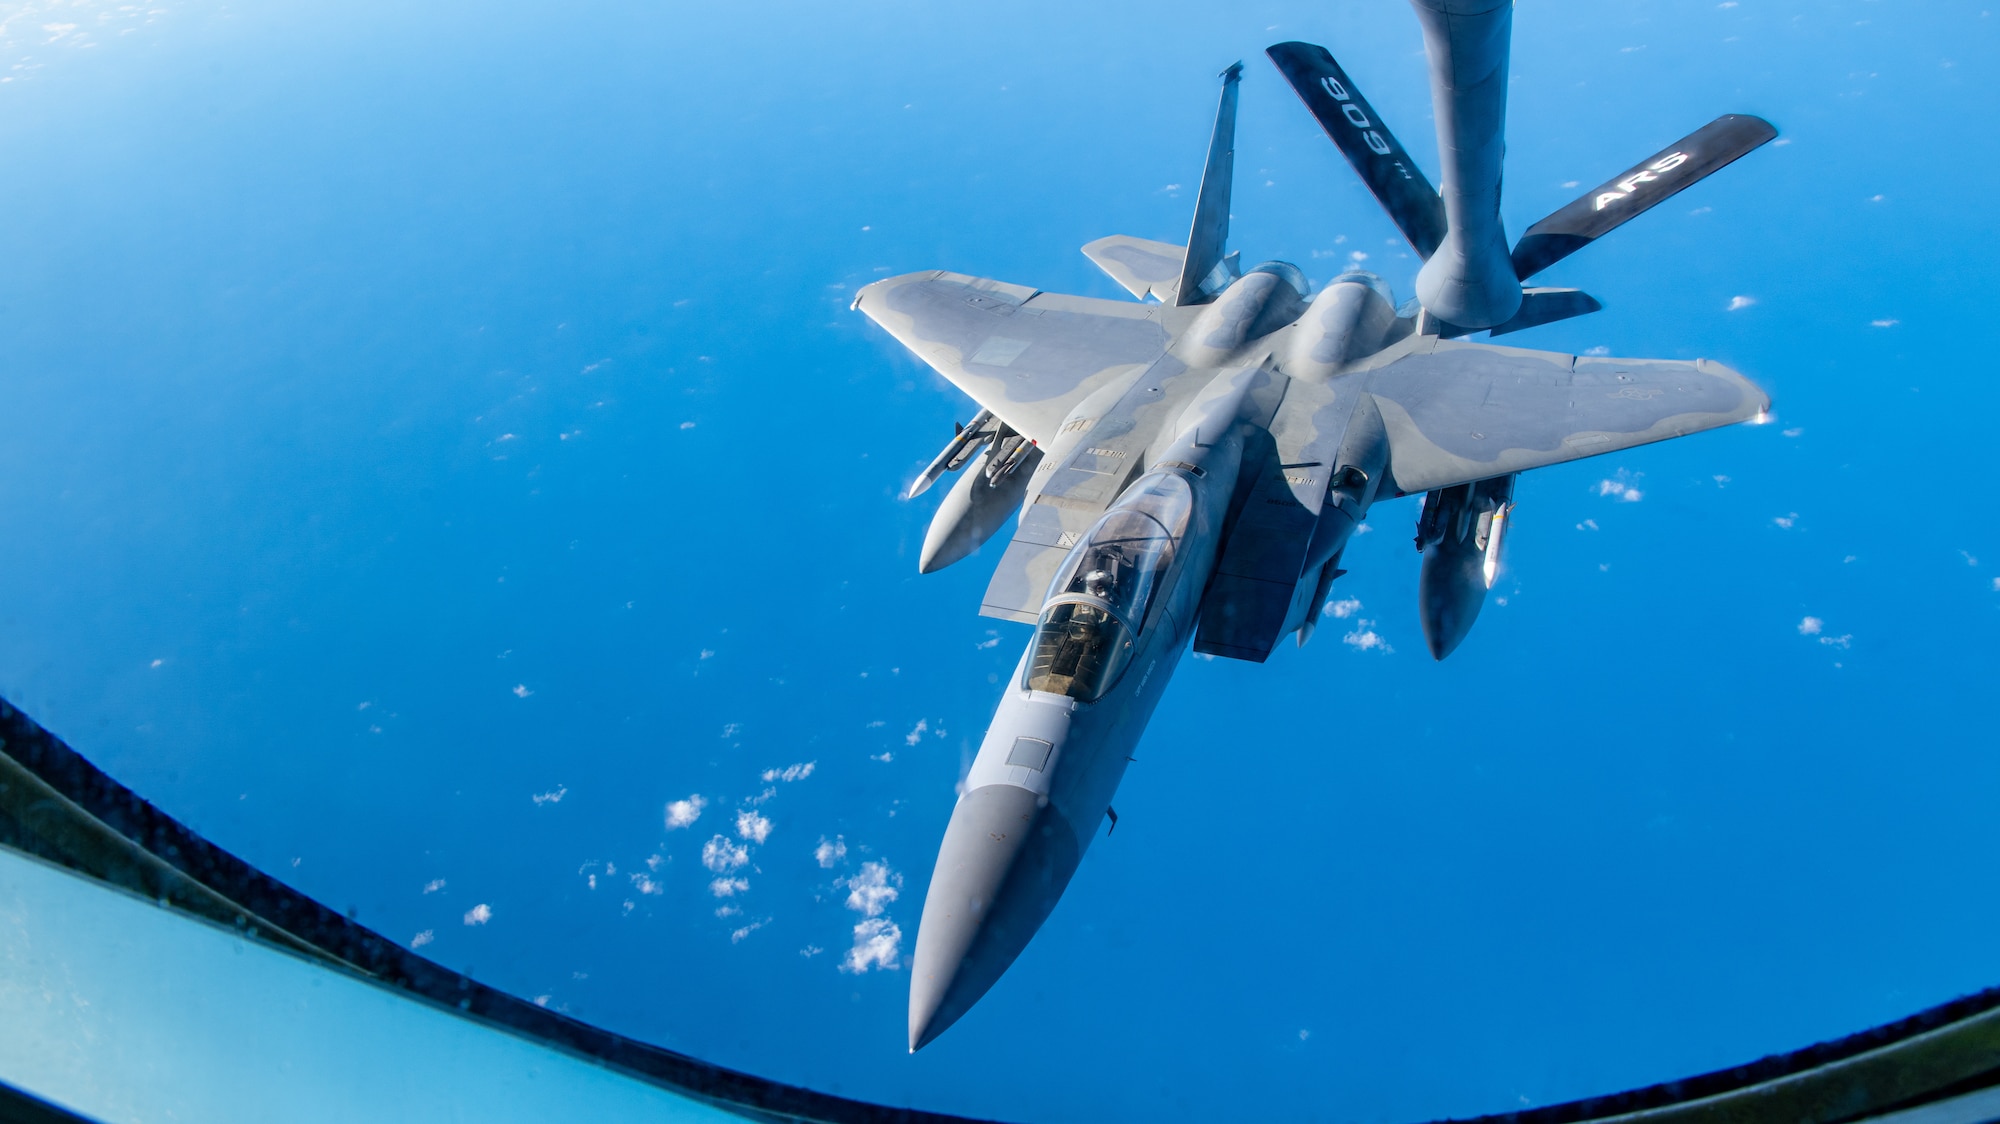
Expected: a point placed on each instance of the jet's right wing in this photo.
(1458, 412)
(1027, 356)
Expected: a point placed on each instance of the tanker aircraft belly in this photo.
(1188, 468)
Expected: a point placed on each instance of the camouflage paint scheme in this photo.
(1250, 424)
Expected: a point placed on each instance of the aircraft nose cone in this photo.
(1007, 856)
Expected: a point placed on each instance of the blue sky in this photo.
(440, 444)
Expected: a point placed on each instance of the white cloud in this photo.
(552, 797)
(723, 856)
(1787, 521)
(728, 887)
(479, 914)
(916, 733)
(1598, 350)
(737, 936)
(1793, 432)
(1883, 323)
(1587, 525)
(434, 885)
(521, 691)
(871, 891)
(1365, 638)
(423, 938)
(789, 773)
(877, 944)
(645, 884)
(1341, 610)
(992, 641)
(1739, 302)
(830, 851)
(681, 813)
(1811, 626)
(1843, 641)
(731, 729)
(1996, 585)
(1619, 488)
(811, 951)
(751, 826)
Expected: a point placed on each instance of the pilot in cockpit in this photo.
(1097, 583)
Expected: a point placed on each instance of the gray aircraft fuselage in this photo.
(1059, 743)
(1190, 471)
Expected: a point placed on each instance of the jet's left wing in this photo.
(1026, 355)
(1458, 412)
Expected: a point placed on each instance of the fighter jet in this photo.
(1191, 465)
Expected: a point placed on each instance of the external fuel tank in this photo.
(1460, 533)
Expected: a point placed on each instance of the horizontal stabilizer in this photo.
(1367, 143)
(1546, 306)
(1144, 267)
(1539, 305)
(1638, 189)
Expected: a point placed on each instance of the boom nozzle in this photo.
(1470, 280)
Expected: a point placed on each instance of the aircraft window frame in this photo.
(1081, 650)
(1117, 565)
(1102, 595)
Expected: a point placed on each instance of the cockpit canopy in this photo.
(1102, 592)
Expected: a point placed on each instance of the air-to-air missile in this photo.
(1189, 468)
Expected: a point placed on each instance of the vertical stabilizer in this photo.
(1210, 233)
(1470, 280)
